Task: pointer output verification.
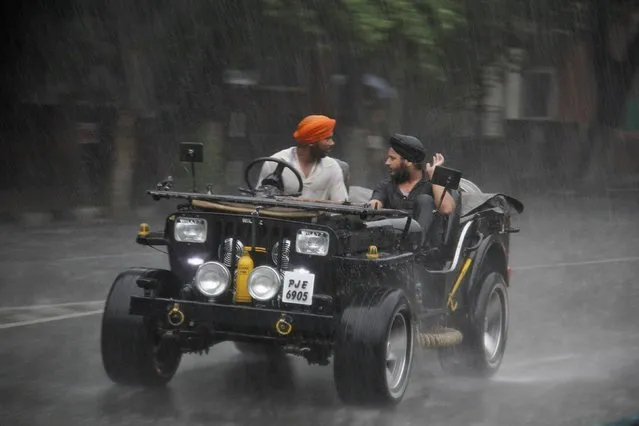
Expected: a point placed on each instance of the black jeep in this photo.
(281, 276)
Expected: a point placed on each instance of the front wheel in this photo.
(485, 333)
(374, 349)
(132, 353)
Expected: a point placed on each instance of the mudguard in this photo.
(500, 203)
(164, 282)
(479, 259)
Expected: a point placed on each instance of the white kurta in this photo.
(325, 181)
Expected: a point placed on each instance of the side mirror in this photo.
(446, 177)
(191, 152)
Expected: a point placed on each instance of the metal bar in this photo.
(280, 202)
(460, 244)
(233, 317)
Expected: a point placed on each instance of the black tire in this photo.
(132, 354)
(474, 357)
(360, 358)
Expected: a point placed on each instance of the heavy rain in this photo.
(537, 100)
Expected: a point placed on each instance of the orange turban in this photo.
(314, 128)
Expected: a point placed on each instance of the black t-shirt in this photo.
(392, 198)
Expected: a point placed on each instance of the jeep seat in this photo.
(345, 171)
(421, 222)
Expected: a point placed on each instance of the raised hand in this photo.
(438, 160)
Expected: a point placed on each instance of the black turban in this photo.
(408, 147)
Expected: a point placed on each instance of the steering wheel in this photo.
(274, 179)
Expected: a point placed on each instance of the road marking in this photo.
(105, 256)
(580, 263)
(622, 189)
(56, 305)
(82, 258)
(540, 361)
(50, 319)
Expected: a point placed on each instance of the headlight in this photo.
(190, 230)
(310, 241)
(264, 283)
(212, 278)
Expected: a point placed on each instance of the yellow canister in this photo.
(244, 267)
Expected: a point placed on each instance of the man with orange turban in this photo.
(322, 176)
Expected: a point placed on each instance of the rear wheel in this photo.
(485, 333)
(374, 349)
(132, 353)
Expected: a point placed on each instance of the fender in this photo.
(162, 282)
(479, 260)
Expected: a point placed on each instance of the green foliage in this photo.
(371, 27)
(189, 43)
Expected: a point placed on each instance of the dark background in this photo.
(97, 94)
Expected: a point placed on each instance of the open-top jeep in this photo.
(277, 275)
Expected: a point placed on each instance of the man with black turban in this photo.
(409, 177)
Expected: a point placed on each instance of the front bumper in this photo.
(234, 319)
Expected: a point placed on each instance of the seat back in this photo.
(345, 171)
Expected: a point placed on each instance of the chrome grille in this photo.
(225, 252)
(285, 255)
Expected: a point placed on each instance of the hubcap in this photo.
(494, 324)
(397, 353)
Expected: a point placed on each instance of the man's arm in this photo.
(379, 198)
(337, 190)
(447, 205)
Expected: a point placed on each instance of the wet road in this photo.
(572, 356)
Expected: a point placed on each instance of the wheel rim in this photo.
(494, 324)
(397, 354)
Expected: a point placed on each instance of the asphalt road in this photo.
(571, 357)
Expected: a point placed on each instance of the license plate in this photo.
(298, 287)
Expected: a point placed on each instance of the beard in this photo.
(401, 175)
(317, 153)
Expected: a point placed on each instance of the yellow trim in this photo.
(255, 249)
(176, 310)
(451, 303)
(372, 253)
(288, 327)
(144, 229)
(244, 267)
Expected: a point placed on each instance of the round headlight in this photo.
(263, 283)
(212, 278)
